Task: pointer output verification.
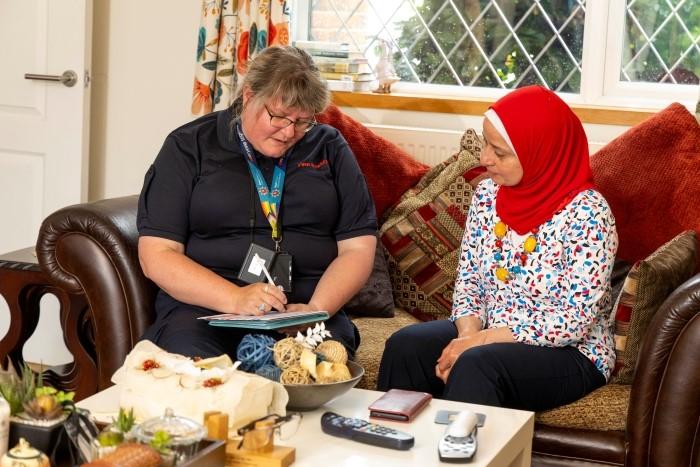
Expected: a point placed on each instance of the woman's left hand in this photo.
(454, 349)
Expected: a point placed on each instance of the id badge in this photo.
(281, 271)
(257, 260)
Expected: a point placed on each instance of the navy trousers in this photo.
(177, 330)
(513, 375)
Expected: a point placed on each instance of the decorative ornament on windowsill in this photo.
(386, 74)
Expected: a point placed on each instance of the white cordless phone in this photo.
(459, 442)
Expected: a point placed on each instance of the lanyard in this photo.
(270, 199)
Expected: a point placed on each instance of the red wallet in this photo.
(399, 405)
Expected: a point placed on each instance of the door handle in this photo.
(68, 78)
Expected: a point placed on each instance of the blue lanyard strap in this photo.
(270, 199)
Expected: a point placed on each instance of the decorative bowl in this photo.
(312, 396)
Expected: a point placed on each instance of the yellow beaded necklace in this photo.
(502, 273)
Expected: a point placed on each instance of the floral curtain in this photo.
(232, 32)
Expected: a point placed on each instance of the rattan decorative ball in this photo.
(295, 375)
(333, 351)
(286, 352)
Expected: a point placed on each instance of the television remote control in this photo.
(363, 431)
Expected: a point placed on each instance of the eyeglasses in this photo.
(300, 124)
(258, 434)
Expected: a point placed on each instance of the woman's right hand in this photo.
(258, 299)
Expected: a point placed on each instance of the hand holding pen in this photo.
(270, 291)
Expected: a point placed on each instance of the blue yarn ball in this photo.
(272, 372)
(255, 351)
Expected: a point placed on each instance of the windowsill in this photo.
(474, 106)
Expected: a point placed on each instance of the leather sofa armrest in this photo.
(91, 249)
(663, 417)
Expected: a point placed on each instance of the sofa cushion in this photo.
(388, 169)
(651, 170)
(647, 285)
(375, 298)
(603, 409)
(374, 334)
(422, 234)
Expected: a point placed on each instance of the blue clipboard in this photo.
(268, 321)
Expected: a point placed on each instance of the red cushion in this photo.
(389, 170)
(650, 177)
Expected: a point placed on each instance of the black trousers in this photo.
(513, 375)
(178, 330)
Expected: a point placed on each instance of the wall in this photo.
(143, 69)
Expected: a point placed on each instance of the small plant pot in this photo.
(41, 434)
(108, 440)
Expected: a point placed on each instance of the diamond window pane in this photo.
(661, 41)
(450, 31)
(489, 43)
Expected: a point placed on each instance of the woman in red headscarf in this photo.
(531, 324)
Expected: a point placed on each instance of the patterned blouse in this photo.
(561, 295)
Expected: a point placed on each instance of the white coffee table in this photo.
(504, 440)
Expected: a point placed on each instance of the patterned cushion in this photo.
(647, 285)
(374, 334)
(375, 297)
(422, 234)
(388, 169)
(649, 170)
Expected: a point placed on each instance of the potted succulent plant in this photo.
(114, 434)
(37, 412)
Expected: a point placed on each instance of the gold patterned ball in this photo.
(332, 351)
(295, 375)
(286, 352)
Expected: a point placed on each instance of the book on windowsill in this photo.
(338, 67)
(329, 50)
(322, 45)
(342, 65)
(347, 76)
(273, 320)
(351, 86)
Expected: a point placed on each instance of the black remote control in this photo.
(365, 432)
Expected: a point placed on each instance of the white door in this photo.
(44, 125)
(44, 128)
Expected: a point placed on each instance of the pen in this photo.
(267, 273)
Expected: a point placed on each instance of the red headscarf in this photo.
(552, 148)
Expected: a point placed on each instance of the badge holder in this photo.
(256, 260)
(261, 261)
(281, 271)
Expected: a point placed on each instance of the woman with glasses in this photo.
(260, 181)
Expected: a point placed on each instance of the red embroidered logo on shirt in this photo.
(311, 165)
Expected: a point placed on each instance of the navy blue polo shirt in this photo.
(199, 192)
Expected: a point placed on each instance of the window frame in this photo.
(601, 87)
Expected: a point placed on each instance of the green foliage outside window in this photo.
(550, 32)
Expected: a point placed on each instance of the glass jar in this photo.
(183, 435)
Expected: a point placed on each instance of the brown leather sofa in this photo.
(91, 250)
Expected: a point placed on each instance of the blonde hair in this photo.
(287, 75)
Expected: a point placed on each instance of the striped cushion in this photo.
(422, 234)
(647, 285)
